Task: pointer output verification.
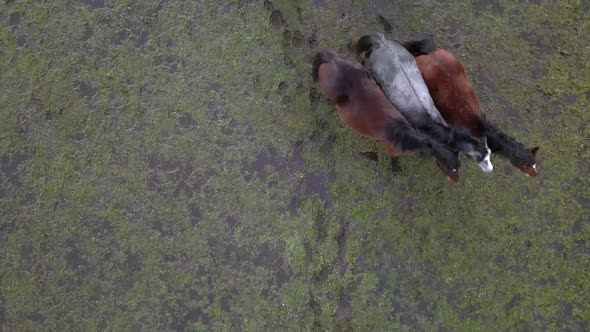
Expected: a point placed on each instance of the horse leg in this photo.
(395, 168)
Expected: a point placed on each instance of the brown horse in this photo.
(459, 105)
(364, 108)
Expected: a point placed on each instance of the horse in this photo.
(363, 107)
(397, 73)
(455, 98)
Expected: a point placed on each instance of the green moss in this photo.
(191, 193)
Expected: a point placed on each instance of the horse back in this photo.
(397, 73)
(452, 92)
(367, 110)
(361, 104)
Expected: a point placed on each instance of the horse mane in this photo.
(451, 136)
(437, 131)
(505, 145)
(421, 47)
(410, 138)
(406, 136)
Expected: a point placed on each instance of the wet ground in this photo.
(170, 165)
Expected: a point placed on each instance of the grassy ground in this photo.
(169, 165)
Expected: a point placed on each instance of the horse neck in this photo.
(503, 144)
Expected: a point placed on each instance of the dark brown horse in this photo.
(459, 105)
(364, 108)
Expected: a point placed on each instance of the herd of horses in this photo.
(415, 96)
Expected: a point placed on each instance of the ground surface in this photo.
(169, 165)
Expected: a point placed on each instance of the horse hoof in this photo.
(370, 155)
(395, 168)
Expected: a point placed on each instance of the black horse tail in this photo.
(324, 56)
(420, 47)
(364, 46)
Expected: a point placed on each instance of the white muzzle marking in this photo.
(486, 164)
